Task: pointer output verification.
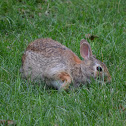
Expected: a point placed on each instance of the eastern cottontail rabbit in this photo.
(58, 66)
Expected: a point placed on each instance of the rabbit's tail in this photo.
(22, 72)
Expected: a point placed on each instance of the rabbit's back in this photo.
(46, 57)
(47, 47)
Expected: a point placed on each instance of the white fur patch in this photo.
(57, 84)
(57, 69)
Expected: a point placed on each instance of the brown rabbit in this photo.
(58, 66)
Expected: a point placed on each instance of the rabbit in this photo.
(58, 66)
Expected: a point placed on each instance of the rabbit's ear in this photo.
(85, 49)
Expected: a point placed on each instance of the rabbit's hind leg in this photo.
(60, 79)
(66, 79)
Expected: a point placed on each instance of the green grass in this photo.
(66, 21)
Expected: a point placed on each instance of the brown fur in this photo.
(65, 77)
(23, 58)
(76, 59)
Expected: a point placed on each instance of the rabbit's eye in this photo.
(99, 68)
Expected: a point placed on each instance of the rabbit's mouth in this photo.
(99, 76)
(103, 79)
(99, 80)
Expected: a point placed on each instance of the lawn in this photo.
(67, 21)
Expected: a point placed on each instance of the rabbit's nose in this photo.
(109, 80)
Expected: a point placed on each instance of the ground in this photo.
(67, 21)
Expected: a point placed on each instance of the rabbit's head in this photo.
(92, 66)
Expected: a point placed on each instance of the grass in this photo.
(66, 21)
